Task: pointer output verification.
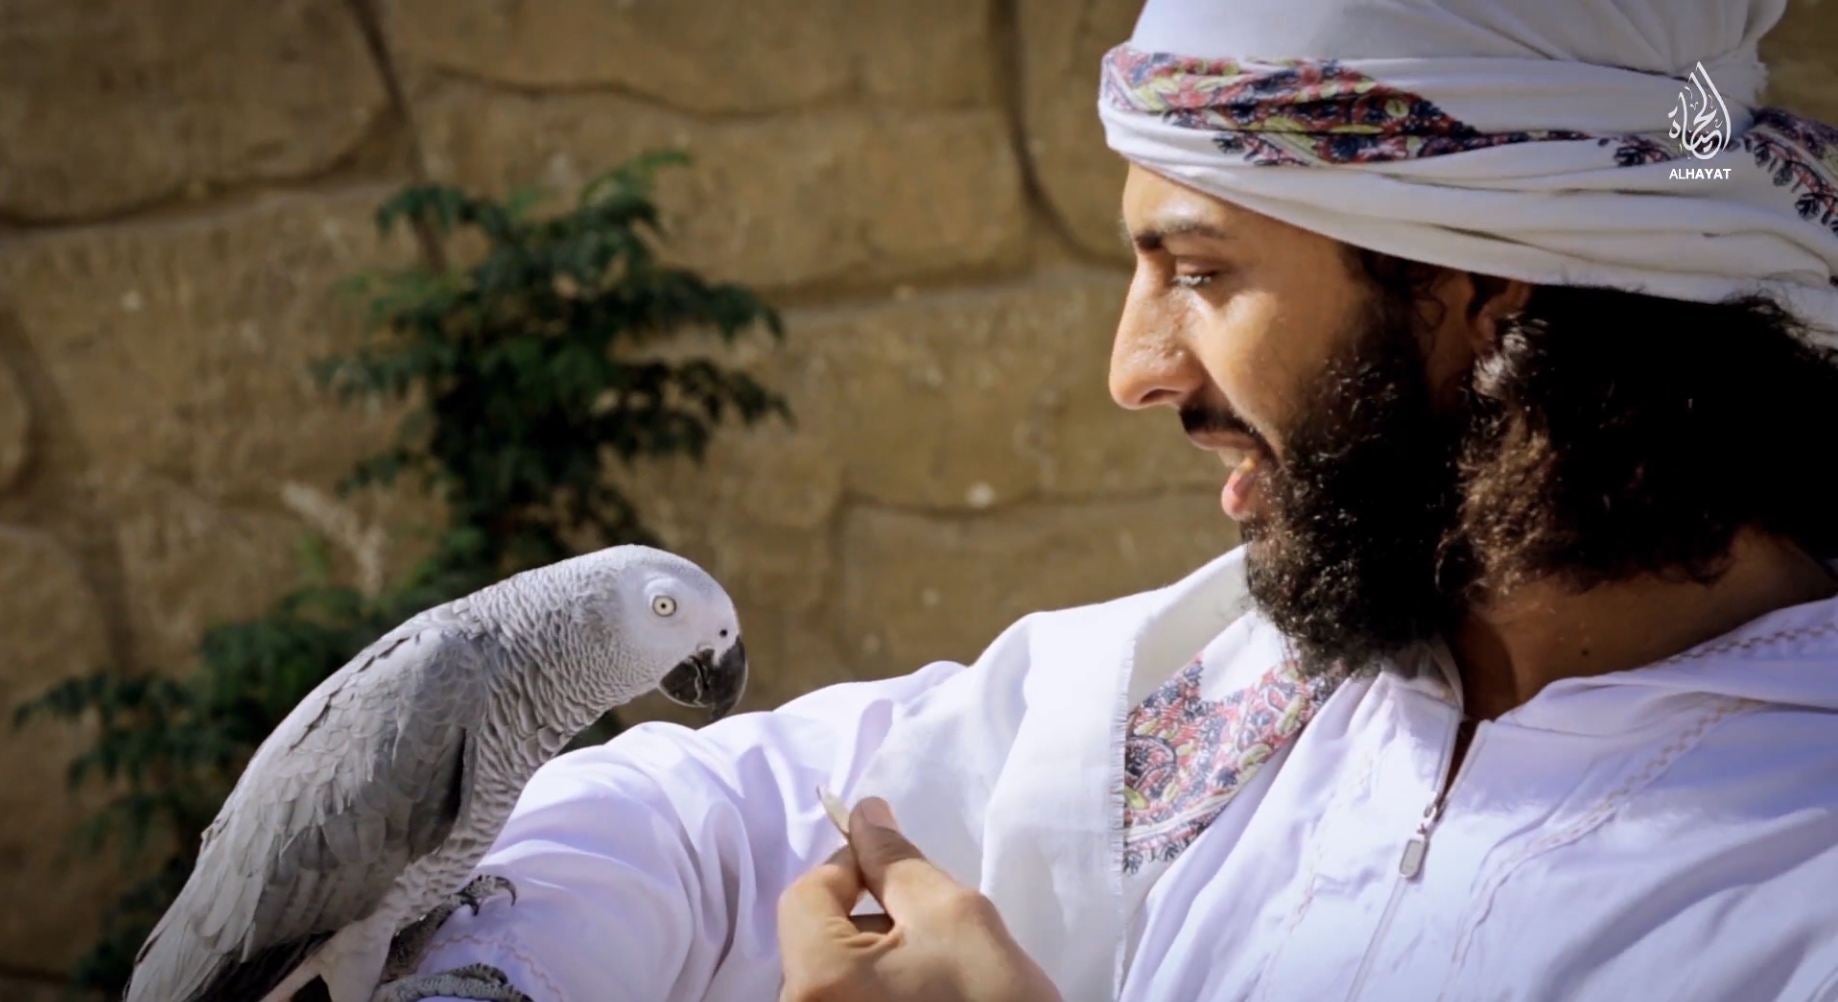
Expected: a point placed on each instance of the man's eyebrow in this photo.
(1151, 238)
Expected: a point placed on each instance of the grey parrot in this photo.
(370, 804)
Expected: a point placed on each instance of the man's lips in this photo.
(1234, 444)
(1231, 447)
(1247, 458)
(1242, 496)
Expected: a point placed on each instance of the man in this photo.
(1526, 683)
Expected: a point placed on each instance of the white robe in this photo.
(1669, 832)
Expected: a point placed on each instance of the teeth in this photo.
(1240, 459)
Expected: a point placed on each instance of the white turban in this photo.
(1571, 142)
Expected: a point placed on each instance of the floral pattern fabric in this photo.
(1311, 113)
(1185, 755)
(1294, 112)
(1800, 155)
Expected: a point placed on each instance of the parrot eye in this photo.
(663, 605)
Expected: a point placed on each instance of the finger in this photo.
(814, 910)
(894, 870)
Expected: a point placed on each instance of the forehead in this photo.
(1156, 207)
(1147, 195)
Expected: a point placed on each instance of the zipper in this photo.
(1418, 845)
(1414, 850)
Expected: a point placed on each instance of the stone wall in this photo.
(922, 187)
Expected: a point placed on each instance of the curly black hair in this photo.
(1636, 434)
(1625, 434)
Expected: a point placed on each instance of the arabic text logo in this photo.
(1700, 120)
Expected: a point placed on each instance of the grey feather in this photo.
(398, 720)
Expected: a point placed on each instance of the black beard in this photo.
(1349, 557)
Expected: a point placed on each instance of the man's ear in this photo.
(1470, 310)
(1492, 301)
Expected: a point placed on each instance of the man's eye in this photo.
(1194, 280)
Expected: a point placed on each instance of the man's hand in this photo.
(938, 942)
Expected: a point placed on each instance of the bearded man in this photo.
(1525, 685)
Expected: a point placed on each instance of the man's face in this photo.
(1229, 318)
(1315, 389)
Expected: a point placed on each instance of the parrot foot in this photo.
(483, 888)
(480, 982)
(406, 950)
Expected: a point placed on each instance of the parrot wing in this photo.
(366, 775)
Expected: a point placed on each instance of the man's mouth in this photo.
(1247, 459)
(1242, 497)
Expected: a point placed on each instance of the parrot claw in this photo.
(479, 982)
(406, 949)
(483, 888)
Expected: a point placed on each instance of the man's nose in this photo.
(1150, 363)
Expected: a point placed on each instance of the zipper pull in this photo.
(1414, 850)
(1419, 844)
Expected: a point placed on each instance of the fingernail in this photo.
(875, 811)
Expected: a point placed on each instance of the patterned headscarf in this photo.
(1572, 142)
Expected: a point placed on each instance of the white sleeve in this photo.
(649, 869)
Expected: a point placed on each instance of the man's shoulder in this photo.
(1765, 761)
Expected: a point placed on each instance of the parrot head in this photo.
(673, 627)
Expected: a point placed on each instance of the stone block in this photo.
(811, 658)
(182, 349)
(919, 587)
(109, 105)
(948, 400)
(980, 398)
(786, 570)
(188, 563)
(769, 475)
(1079, 175)
(825, 198)
(737, 57)
(15, 427)
(935, 53)
(1802, 57)
(51, 627)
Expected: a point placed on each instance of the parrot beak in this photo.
(703, 680)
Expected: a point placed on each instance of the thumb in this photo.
(894, 870)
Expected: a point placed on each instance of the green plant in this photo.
(526, 380)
